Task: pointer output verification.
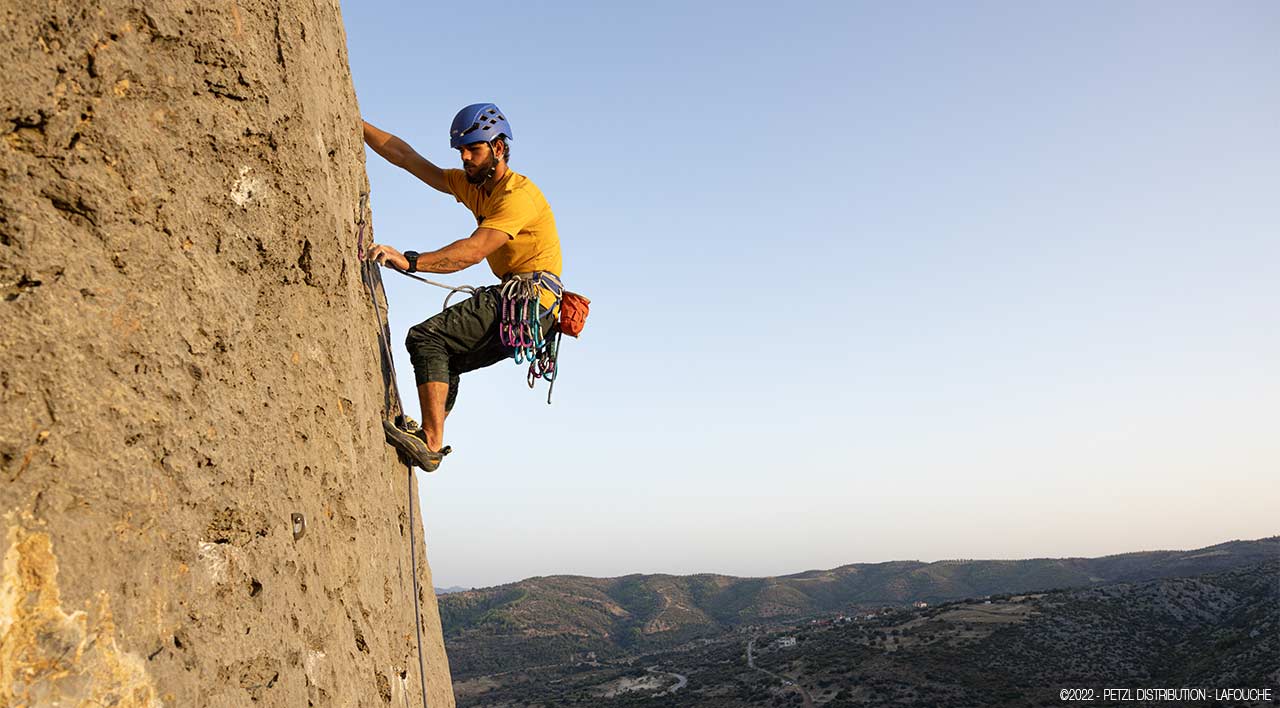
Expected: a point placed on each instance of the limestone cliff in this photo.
(197, 507)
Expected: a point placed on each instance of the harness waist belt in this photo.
(542, 278)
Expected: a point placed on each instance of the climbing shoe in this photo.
(413, 446)
(411, 426)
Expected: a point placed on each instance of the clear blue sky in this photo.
(869, 281)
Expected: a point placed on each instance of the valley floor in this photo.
(1215, 632)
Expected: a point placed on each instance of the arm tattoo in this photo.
(442, 264)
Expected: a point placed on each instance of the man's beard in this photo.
(484, 172)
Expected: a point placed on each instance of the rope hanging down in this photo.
(373, 281)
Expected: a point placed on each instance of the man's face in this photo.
(478, 162)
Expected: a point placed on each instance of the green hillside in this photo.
(556, 619)
(1217, 630)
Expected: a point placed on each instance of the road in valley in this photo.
(681, 680)
(786, 682)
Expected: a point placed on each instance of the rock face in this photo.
(197, 507)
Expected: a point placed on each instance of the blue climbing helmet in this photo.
(478, 123)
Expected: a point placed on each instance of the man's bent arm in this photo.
(401, 154)
(463, 253)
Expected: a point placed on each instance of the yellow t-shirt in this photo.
(517, 208)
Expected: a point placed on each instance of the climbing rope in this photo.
(373, 282)
(451, 288)
(413, 571)
(372, 279)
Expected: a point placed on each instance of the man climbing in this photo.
(515, 232)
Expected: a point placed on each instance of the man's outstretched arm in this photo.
(458, 255)
(401, 154)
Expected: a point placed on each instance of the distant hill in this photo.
(1219, 630)
(553, 619)
(451, 589)
(1215, 630)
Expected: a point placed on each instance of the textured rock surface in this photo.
(190, 357)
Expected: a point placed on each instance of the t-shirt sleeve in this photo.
(456, 180)
(513, 214)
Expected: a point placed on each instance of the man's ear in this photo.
(499, 148)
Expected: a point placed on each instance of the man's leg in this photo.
(454, 381)
(462, 332)
(432, 396)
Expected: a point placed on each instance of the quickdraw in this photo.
(520, 326)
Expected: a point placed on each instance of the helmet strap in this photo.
(494, 159)
(492, 170)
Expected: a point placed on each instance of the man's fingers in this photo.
(381, 254)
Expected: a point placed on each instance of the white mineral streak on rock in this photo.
(312, 659)
(312, 662)
(245, 188)
(402, 686)
(214, 559)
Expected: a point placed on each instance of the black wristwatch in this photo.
(413, 261)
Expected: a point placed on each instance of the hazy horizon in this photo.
(869, 282)
(840, 565)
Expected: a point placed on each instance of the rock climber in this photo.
(515, 232)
